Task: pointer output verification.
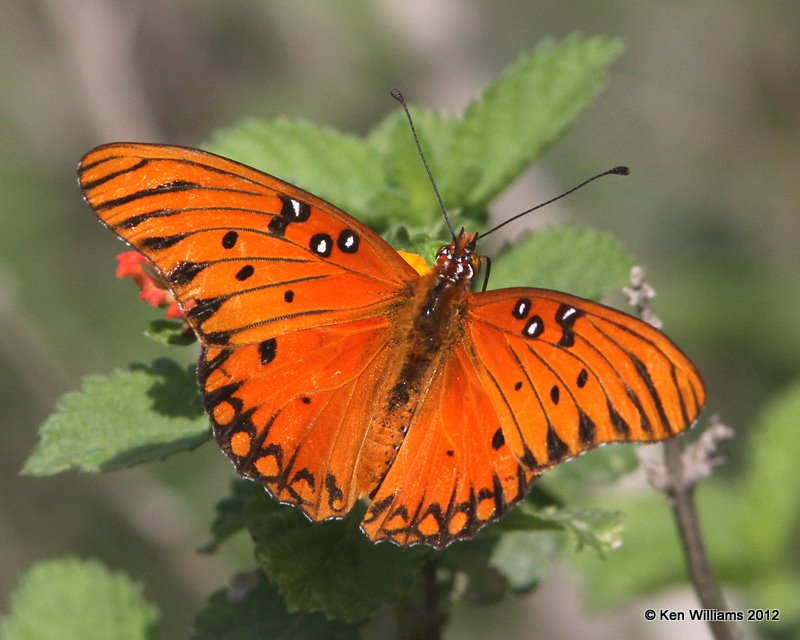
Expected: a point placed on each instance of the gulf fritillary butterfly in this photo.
(333, 371)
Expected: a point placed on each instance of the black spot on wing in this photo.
(277, 226)
(307, 476)
(157, 243)
(618, 422)
(587, 431)
(245, 272)
(498, 439)
(521, 308)
(292, 211)
(207, 367)
(348, 241)
(321, 244)
(556, 449)
(651, 387)
(533, 328)
(566, 317)
(205, 308)
(335, 493)
(528, 458)
(217, 338)
(184, 272)
(377, 508)
(229, 240)
(267, 350)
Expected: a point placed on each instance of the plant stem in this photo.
(430, 624)
(678, 484)
(680, 491)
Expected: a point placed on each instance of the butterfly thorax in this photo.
(457, 262)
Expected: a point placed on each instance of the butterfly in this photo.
(332, 371)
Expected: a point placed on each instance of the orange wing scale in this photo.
(333, 371)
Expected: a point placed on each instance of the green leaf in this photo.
(601, 465)
(148, 412)
(525, 111)
(251, 609)
(409, 196)
(582, 262)
(170, 332)
(523, 557)
(650, 558)
(478, 581)
(329, 567)
(335, 166)
(599, 529)
(772, 485)
(71, 598)
(424, 242)
(231, 513)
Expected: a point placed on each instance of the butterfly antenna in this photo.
(397, 95)
(617, 171)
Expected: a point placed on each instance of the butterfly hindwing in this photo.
(293, 413)
(247, 256)
(454, 471)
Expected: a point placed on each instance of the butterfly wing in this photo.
(290, 297)
(294, 417)
(538, 377)
(248, 256)
(453, 472)
(565, 374)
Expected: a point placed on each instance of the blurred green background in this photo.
(703, 106)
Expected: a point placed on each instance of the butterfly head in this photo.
(457, 262)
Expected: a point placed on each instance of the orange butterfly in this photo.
(334, 371)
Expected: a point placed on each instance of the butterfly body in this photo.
(332, 371)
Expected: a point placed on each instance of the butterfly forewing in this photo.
(248, 256)
(566, 374)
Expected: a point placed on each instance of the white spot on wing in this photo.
(532, 329)
(296, 207)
